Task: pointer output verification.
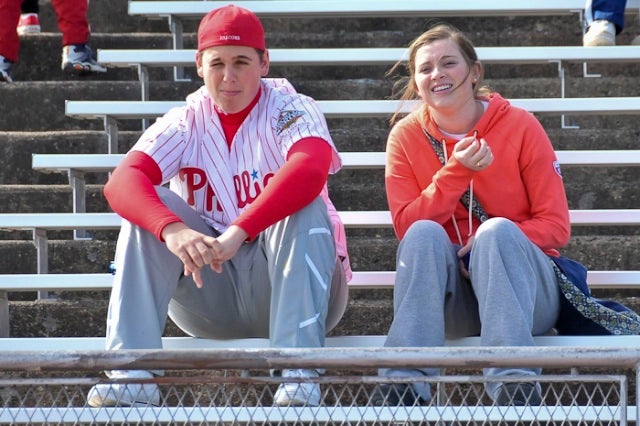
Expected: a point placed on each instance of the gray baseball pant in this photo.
(513, 294)
(286, 285)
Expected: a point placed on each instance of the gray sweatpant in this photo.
(286, 285)
(513, 294)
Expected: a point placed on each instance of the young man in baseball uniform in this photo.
(245, 241)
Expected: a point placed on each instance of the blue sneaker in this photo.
(79, 59)
(5, 70)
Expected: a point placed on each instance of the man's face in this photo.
(232, 75)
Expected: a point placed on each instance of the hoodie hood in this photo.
(498, 108)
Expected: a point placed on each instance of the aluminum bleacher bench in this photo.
(66, 163)
(178, 11)
(377, 55)
(143, 59)
(111, 111)
(190, 343)
(372, 108)
(351, 219)
(361, 280)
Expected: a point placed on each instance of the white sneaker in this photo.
(600, 33)
(298, 394)
(125, 394)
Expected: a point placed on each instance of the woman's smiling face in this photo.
(442, 76)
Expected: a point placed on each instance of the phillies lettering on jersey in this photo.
(247, 185)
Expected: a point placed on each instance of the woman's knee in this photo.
(425, 232)
(425, 241)
(496, 228)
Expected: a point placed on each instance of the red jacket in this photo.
(522, 184)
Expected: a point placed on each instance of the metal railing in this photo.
(589, 386)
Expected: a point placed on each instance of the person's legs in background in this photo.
(77, 56)
(604, 19)
(9, 41)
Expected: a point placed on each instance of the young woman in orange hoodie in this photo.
(478, 202)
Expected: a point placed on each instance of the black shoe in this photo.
(519, 394)
(396, 394)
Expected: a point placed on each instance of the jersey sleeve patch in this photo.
(286, 119)
(556, 167)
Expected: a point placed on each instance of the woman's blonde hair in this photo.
(407, 86)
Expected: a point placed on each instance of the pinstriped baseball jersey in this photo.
(219, 182)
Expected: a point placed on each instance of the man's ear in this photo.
(199, 63)
(265, 64)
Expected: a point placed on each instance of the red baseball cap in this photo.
(230, 25)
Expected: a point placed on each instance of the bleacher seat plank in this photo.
(595, 279)
(591, 217)
(23, 344)
(59, 221)
(378, 56)
(361, 280)
(359, 108)
(57, 163)
(351, 219)
(56, 282)
(366, 8)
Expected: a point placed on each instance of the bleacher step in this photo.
(54, 318)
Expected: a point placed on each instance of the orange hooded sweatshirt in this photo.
(523, 184)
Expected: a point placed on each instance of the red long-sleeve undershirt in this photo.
(130, 190)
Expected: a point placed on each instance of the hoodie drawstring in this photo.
(470, 210)
(453, 216)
